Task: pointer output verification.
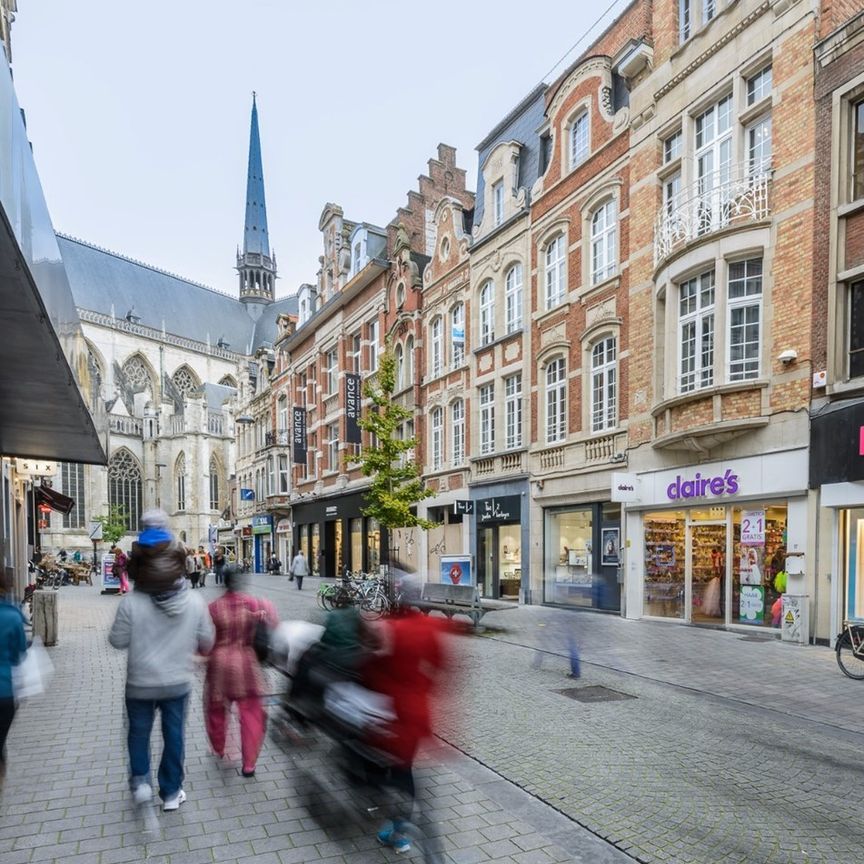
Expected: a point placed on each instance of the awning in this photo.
(55, 500)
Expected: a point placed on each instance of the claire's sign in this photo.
(702, 487)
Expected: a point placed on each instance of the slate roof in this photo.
(106, 282)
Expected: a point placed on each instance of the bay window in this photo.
(714, 164)
(745, 312)
(696, 332)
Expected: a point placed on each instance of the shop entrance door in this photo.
(487, 562)
(706, 579)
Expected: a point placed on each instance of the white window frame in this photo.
(436, 347)
(373, 345)
(702, 318)
(747, 368)
(513, 412)
(409, 362)
(555, 376)
(671, 194)
(180, 470)
(604, 384)
(457, 422)
(685, 20)
(580, 138)
(604, 241)
(332, 371)
(713, 162)
(333, 447)
(554, 271)
(357, 353)
(282, 414)
(457, 347)
(513, 299)
(759, 85)
(271, 475)
(486, 400)
(399, 358)
(487, 313)
(436, 424)
(758, 143)
(673, 147)
(498, 202)
(709, 11)
(283, 473)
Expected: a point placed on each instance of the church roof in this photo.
(255, 238)
(111, 284)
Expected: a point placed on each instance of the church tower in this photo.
(256, 265)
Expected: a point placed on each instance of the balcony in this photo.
(503, 464)
(125, 426)
(730, 197)
(589, 454)
(276, 439)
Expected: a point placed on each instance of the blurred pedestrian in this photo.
(203, 565)
(554, 634)
(193, 572)
(13, 646)
(299, 568)
(233, 671)
(219, 563)
(161, 625)
(119, 568)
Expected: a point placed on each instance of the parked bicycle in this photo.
(366, 591)
(850, 650)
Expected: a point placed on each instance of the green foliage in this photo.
(396, 482)
(114, 525)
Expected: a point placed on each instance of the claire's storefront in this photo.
(710, 544)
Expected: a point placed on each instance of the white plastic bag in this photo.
(31, 676)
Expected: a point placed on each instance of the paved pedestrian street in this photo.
(715, 748)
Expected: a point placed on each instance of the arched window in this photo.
(180, 481)
(185, 380)
(556, 401)
(457, 335)
(124, 486)
(437, 438)
(436, 340)
(513, 299)
(604, 242)
(487, 313)
(399, 357)
(554, 272)
(457, 418)
(579, 140)
(604, 385)
(137, 374)
(215, 483)
(228, 381)
(409, 361)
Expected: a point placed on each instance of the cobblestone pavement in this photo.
(66, 799)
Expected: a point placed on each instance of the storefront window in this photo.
(510, 560)
(854, 560)
(665, 567)
(340, 557)
(373, 534)
(758, 564)
(569, 560)
(304, 540)
(315, 546)
(356, 544)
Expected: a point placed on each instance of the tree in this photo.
(396, 483)
(114, 525)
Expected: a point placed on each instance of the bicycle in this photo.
(850, 650)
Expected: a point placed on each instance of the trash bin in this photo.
(795, 620)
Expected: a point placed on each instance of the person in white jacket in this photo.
(299, 569)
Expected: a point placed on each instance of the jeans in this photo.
(141, 714)
(7, 714)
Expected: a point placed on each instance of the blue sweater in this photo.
(13, 645)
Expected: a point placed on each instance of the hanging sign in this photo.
(753, 528)
(299, 436)
(352, 408)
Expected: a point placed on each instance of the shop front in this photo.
(582, 556)
(283, 542)
(500, 540)
(335, 536)
(710, 544)
(837, 470)
(262, 536)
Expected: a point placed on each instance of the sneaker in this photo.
(142, 794)
(174, 802)
(400, 843)
(385, 835)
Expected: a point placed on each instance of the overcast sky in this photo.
(139, 113)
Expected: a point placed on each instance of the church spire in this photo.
(256, 265)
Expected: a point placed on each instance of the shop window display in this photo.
(665, 564)
(356, 544)
(373, 534)
(854, 558)
(315, 547)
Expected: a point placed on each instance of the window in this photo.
(554, 272)
(858, 152)
(409, 361)
(437, 438)
(399, 357)
(487, 313)
(180, 477)
(672, 147)
(604, 255)
(709, 10)
(745, 312)
(356, 353)
(457, 335)
(373, 346)
(856, 330)
(313, 453)
(436, 345)
(714, 164)
(303, 388)
(124, 486)
(684, 20)
(604, 397)
(696, 332)
(579, 144)
(72, 483)
(457, 423)
(498, 202)
(513, 412)
(357, 248)
(333, 446)
(759, 147)
(487, 418)
(282, 416)
(271, 475)
(556, 401)
(513, 299)
(215, 485)
(759, 86)
(671, 194)
(185, 381)
(283, 474)
(332, 371)
(259, 484)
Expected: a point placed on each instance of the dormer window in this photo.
(498, 202)
(359, 251)
(579, 140)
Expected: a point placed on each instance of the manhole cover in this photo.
(765, 639)
(594, 694)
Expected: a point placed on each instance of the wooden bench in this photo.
(457, 600)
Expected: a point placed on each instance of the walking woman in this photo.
(233, 672)
(13, 646)
(119, 568)
(219, 563)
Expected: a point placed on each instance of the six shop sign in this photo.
(699, 486)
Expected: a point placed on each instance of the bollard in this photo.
(44, 616)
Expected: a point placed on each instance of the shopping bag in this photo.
(31, 676)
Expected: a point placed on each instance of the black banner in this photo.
(352, 408)
(299, 436)
(837, 444)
